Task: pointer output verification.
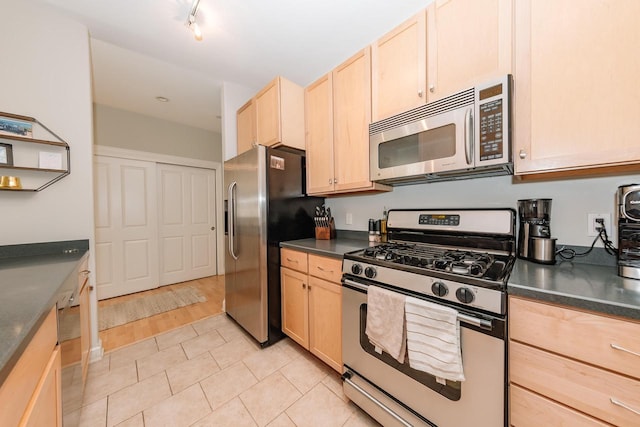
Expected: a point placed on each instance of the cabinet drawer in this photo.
(586, 388)
(17, 389)
(595, 339)
(532, 410)
(325, 268)
(294, 260)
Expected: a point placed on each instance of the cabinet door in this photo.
(85, 328)
(45, 408)
(576, 84)
(246, 124)
(351, 118)
(268, 114)
(399, 69)
(295, 306)
(468, 42)
(325, 321)
(318, 106)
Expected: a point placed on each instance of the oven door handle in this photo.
(356, 285)
(481, 323)
(347, 379)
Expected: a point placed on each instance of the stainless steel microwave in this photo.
(465, 135)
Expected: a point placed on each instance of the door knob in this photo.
(213, 228)
(523, 154)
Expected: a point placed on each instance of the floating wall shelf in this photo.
(37, 161)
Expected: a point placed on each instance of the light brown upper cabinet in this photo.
(451, 46)
(468, 42)
(338, 113)
(274, 117)
(318, 104)
(246, 123)
(576, 86)
(399, 61)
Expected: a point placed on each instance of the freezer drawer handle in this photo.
(624, 405)
(347, 379)
(617, 347)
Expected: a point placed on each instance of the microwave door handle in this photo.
(468, 136)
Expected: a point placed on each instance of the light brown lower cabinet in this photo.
(45, 408)
(569, 367)
(31, 394)
(85, 320)
(529, 409)
(312, 304)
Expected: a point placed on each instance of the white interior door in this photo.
(126, 226)
(187, 219)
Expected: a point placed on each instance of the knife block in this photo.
(326, 233)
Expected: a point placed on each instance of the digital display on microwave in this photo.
(490, 92)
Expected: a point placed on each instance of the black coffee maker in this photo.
(534, 239)
(629, 231)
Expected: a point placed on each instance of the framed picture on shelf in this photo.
(6, 154)
(16, 127)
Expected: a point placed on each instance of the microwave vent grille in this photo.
(443, 105)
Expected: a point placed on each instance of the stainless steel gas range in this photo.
(460, 259)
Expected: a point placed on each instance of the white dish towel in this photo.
(385, 322)
(433, 339)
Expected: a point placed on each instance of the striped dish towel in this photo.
(433, 339)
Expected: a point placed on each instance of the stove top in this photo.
(463, 262)
(463, 256)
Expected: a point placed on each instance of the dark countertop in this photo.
(29, 286)
(590, 287)
(334, 248)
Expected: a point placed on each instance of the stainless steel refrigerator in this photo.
(266, 204)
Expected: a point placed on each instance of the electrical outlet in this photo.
(592, 225)
(349, 219)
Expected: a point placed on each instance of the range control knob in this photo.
(439, 289)
(464, 295)
(370, 272)
(356, 269)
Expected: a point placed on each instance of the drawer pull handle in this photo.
(292, 260)
(624, 405)
(617, 347)
(326, 271)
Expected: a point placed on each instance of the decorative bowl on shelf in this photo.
(11, 182)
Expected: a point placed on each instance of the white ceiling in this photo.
(142, 49)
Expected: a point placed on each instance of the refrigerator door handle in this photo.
(232, 222)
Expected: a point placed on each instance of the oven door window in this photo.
(451, 390)
(432, 144)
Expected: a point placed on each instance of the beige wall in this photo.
(45, 73)
(124, 129)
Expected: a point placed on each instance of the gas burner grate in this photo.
(428, 257)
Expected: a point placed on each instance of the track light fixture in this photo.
(191, 20)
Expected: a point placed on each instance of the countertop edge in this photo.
(575, 301)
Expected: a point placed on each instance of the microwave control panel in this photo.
(491, 130)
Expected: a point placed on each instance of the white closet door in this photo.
(187, 219)
(126, 226)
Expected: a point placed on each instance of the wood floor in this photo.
(212, 287)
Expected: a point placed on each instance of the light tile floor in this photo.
(210, 373)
